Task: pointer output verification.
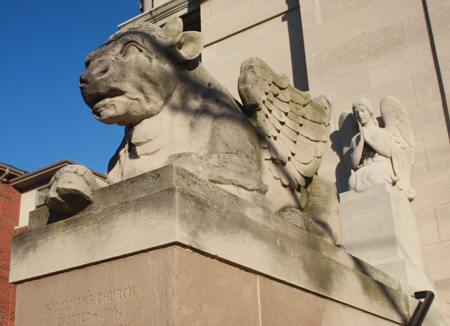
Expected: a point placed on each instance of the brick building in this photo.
(9, 218)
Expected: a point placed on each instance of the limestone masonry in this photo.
(284, 163)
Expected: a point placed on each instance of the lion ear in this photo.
(173, 28)
(189, 46)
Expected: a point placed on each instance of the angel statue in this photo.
(374, 154)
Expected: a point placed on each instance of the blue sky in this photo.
(43, 47)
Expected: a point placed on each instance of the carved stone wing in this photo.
(348, 128)
(398, 125)
(404, 148)
(293, 129)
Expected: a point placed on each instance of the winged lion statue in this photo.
(266, 151)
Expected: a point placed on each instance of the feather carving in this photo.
(293, 128)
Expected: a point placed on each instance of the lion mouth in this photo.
(96, 100)
(100, 106)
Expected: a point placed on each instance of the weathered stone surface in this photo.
(415, 29)
(378, 226)
(345, 84)
(267, 40)
(426, 88)
(427, 225)
(324, 208)
(150, 183)
(386, 12)
(169, 286)
(437, 259)
(110, 293)
(221, 18)
(258, 33)
(263, 9)
(71, 189)
(208, 219)
(427, 120)
(443, 220)
(378, 155)
(228, 64)
(311, 14)
(403, 90)
(437, 149)
(432, 3)
(172, 206)
(400, 65)
(415, 276)
(432, 191)
(209, 53)
(285, 305)
(324, 35)
(441, 46)
(420, 164)
(145, 78)
(175, 286)
(267, 47)
(148, 97)
(445, 70)
(293, 131)
(329, 172)
(202, 284)
(439, 13)
(316, 64)
(332, 9)
(444, 291)
(365, 47)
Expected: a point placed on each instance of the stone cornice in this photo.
(162, 14)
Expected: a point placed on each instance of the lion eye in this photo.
(131, 48)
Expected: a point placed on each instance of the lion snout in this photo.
(97, 69)
(92, 83)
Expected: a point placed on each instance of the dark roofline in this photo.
(13, 172)
(43, 175)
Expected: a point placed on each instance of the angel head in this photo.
(363, 112)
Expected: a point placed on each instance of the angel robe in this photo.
(374, 168)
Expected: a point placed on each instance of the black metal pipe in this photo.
(436, 65)
(422, 308)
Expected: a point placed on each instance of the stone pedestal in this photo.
(168, 248)
(379, 226)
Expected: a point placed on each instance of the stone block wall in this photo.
(178, 287)
(188, 252)
(437, 248)
(9, 217)
(151, 4)
(235, 30)
(354, 49)
(371, 49)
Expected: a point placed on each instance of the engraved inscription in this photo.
(70, 304)
(75, 319)
(116, 295)
(91, 308)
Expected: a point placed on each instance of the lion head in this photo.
(134, 73)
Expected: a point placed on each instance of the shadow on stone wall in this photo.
(297, 45)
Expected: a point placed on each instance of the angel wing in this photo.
(293, 129)
(404, 148)
(348, 128)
